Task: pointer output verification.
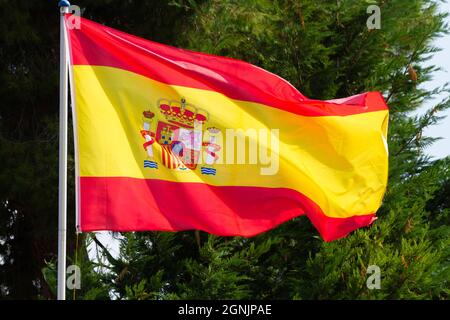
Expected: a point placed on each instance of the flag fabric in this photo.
(170, 139)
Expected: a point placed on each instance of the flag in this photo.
(170, 139)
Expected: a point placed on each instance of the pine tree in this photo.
(29, 75)
(326, 50)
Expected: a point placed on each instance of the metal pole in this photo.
(62, 194)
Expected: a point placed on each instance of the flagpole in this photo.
(62, 191)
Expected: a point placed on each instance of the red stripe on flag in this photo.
(130, 204)
(95, 44)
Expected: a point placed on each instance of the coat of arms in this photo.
(180, 137)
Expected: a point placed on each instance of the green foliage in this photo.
(29, 63)
(326, 51)
(92, 288)
(218, 269)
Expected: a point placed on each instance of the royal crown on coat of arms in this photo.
(181, 113)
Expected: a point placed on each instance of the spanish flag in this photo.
(170, 139)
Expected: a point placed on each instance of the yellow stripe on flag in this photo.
(339, 162)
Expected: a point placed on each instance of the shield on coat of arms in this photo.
(180, 146)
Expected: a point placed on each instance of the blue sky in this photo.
(442, 59)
